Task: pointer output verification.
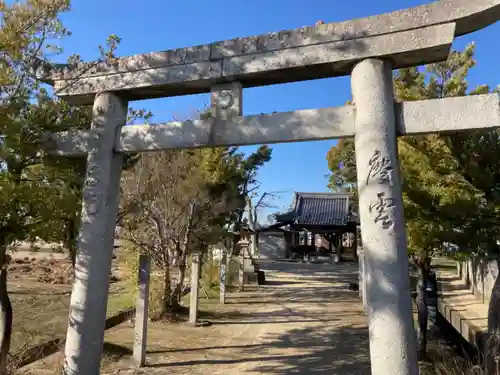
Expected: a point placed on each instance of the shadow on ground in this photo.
(315, 302)
(305, 321)
(317, 351)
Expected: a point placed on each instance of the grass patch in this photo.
(209, 283)
(121, 299)
(442, 363)
(206, 296)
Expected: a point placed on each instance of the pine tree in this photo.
(450, 182)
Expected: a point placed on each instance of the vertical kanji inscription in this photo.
(379, 167)
(379, 172)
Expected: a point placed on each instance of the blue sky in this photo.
(155, 25)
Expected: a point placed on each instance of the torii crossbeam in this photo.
(416, 117)
(366, 48)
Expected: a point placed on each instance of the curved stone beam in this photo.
(194, 69)
(468, 15)
(405, 48)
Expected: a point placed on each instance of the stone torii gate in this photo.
(368, 49)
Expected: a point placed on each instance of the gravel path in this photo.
(305, 321)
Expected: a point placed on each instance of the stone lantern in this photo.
(244, 243)
(248, 272)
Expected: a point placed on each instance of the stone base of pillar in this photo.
(261, 277)
(250, 278)
(201, 323)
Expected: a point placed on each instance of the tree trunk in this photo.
(71, 240)
(73, 222)
(177, 292)
(169, 301)
(422, 311)
(492, 347)
(72, 256)
(5, 311)
(180, 282)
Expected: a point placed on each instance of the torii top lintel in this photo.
(408, 37)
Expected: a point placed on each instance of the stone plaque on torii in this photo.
(367, 49)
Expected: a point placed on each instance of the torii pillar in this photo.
(89, 298)
(385, 254)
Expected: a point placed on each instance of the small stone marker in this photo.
(222, 278)
(195, 288)
(141, 311)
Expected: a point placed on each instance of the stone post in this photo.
(241, 272)
(243, 244)
(392, 336)
(85, 336)
(222, 277)
(362, 279)
(253, 245)
(141, 311)
(195, 288)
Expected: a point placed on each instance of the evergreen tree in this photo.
(450, 182)
(40, 195)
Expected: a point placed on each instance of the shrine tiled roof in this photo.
(319, 209)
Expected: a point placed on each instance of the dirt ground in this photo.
(39, 285)
(305, 321)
